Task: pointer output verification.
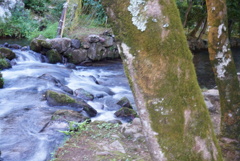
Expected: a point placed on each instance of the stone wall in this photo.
(91, 48)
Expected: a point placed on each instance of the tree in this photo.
(224, 68)
(159, 67)
(187, 12)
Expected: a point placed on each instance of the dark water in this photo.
(22, 42)
(204, 70)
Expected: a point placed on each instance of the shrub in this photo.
(50, 32)
(18, 25)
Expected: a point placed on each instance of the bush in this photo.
(18, 25)
(50, 32)
(37, 6)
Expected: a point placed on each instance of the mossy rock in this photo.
(68, 115)
(53, 56)
(46, 44)
(83, 94)
(4, 64)
(35, 45)
(59, 99)
(55, 98)
(126, 113)
(7, 53)
(76, 56)
(1, 81)
(124, 102)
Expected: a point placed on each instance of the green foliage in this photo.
(197, 12)
(20, 24)
(37, 6)
(50, 32)
(76, 128)
(3, 63)
(95, 9)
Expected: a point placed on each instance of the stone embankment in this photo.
(65, 50)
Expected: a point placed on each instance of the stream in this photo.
(24, 111)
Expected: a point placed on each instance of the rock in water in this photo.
(83, 94)
(7, 53)
(124, 102)
(55, 98)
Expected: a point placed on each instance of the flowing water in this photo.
(24, 111)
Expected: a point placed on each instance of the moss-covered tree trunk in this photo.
(159, 67)
(224, 68)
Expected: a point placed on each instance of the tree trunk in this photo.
(187, 12)
(62, 20)
(159, 67)
(203, 30)
(195, 30)
(224, 68)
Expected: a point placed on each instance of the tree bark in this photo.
(224, 68)
(187, 12)
(160, 71)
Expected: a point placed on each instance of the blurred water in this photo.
(24, 111)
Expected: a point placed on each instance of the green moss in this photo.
(165, 76)
(35, 45)
(7, 53)
(126, 112)
(53, 56)
(4, 64)
(46, 44)
(60, 98)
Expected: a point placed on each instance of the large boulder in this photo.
(53, 56)
(60, 44)
(76, 56)
(7, 53)
(96, 52)
(75, 43)
(55, 98)
(40, 45)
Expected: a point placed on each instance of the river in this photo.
(24, 111)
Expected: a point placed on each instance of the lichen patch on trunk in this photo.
(137, 7)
